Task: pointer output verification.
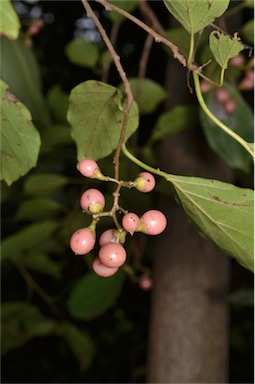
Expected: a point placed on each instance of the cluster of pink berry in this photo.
(223, 97)
(112, 253)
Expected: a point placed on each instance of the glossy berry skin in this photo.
(112, 255)
(130, 222)
(145, 182)
(82, 241)
(221, 95)
(109, 236)
(153, 222)
(88, 168)
(101, 270)
(92, 201)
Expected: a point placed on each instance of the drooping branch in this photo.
(123, 77)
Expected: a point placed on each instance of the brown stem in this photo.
(123, 77)
(143, 64)
(34, 285)
(107, 63)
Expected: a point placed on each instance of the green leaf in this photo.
(9, 21)
(224, 47)
(175, 120)
(180, 37)
(21, 322)
(93, 295)
(194, 15)
(222, 212)
(44, 183)
(37, 209)
(247, 31)
(148, 94)
(240, 121)
(127, 5)
(96, 116)
(40, 262)
(80, 343)
(20, 70)
(82, 53)
(20, 141)
(57, 101)
(27, 238)
(56, 135)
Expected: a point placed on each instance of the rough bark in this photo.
(188, 340)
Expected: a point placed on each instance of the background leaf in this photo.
(20, 70)
(224, 47)
(148, 94)
(57, 101)
(37, 209)
(247, 32)
(93, 295)
(194, 15)
(82, 53)
(20, 141)
(240, 121)
(127, 5)
(96, 118)
(44, 183)
(10, 24)
(222, 212)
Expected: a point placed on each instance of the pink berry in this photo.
(88, 167)
(152, 222)
(101, 270)
(230, 106)
(247, 84)
(82, 241)
(250, 75)
(237, 61)
(205, 86)
(130, 222)
(145, 283)
(112, 255)
(92, 201)
(109, 236)
(145, 182)
(221, 95)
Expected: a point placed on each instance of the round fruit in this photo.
(237, 61)
(152, 222)
(230, 106)
(92, 201)
(145, 283)
(205, 86)
(145, 182)
(221, 95)
(112, 255)
(88, 168)
(109, 236)
(101, 270)
(130, 222)
(82, 241)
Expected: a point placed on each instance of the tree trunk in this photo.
(188, 340)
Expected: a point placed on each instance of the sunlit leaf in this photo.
(240, 121)
(9, 21)
(223, 213)
(224, 47)
(93, 295)
(20, 141)
(96, 116)
(194, 15)
(82, 53)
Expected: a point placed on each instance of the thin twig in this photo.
(123, 77)
(143, 64)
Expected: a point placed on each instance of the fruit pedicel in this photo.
(112, 254)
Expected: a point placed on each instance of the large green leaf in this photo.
(82, 53)
(224, 47)
(194, 15)
(9, 21)
(20, 141)
(240, 121)
(20, 322)
(175, 120)
(147, 93)
(222, 212)
(93, 295)
(96, 115)
(20, 70)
